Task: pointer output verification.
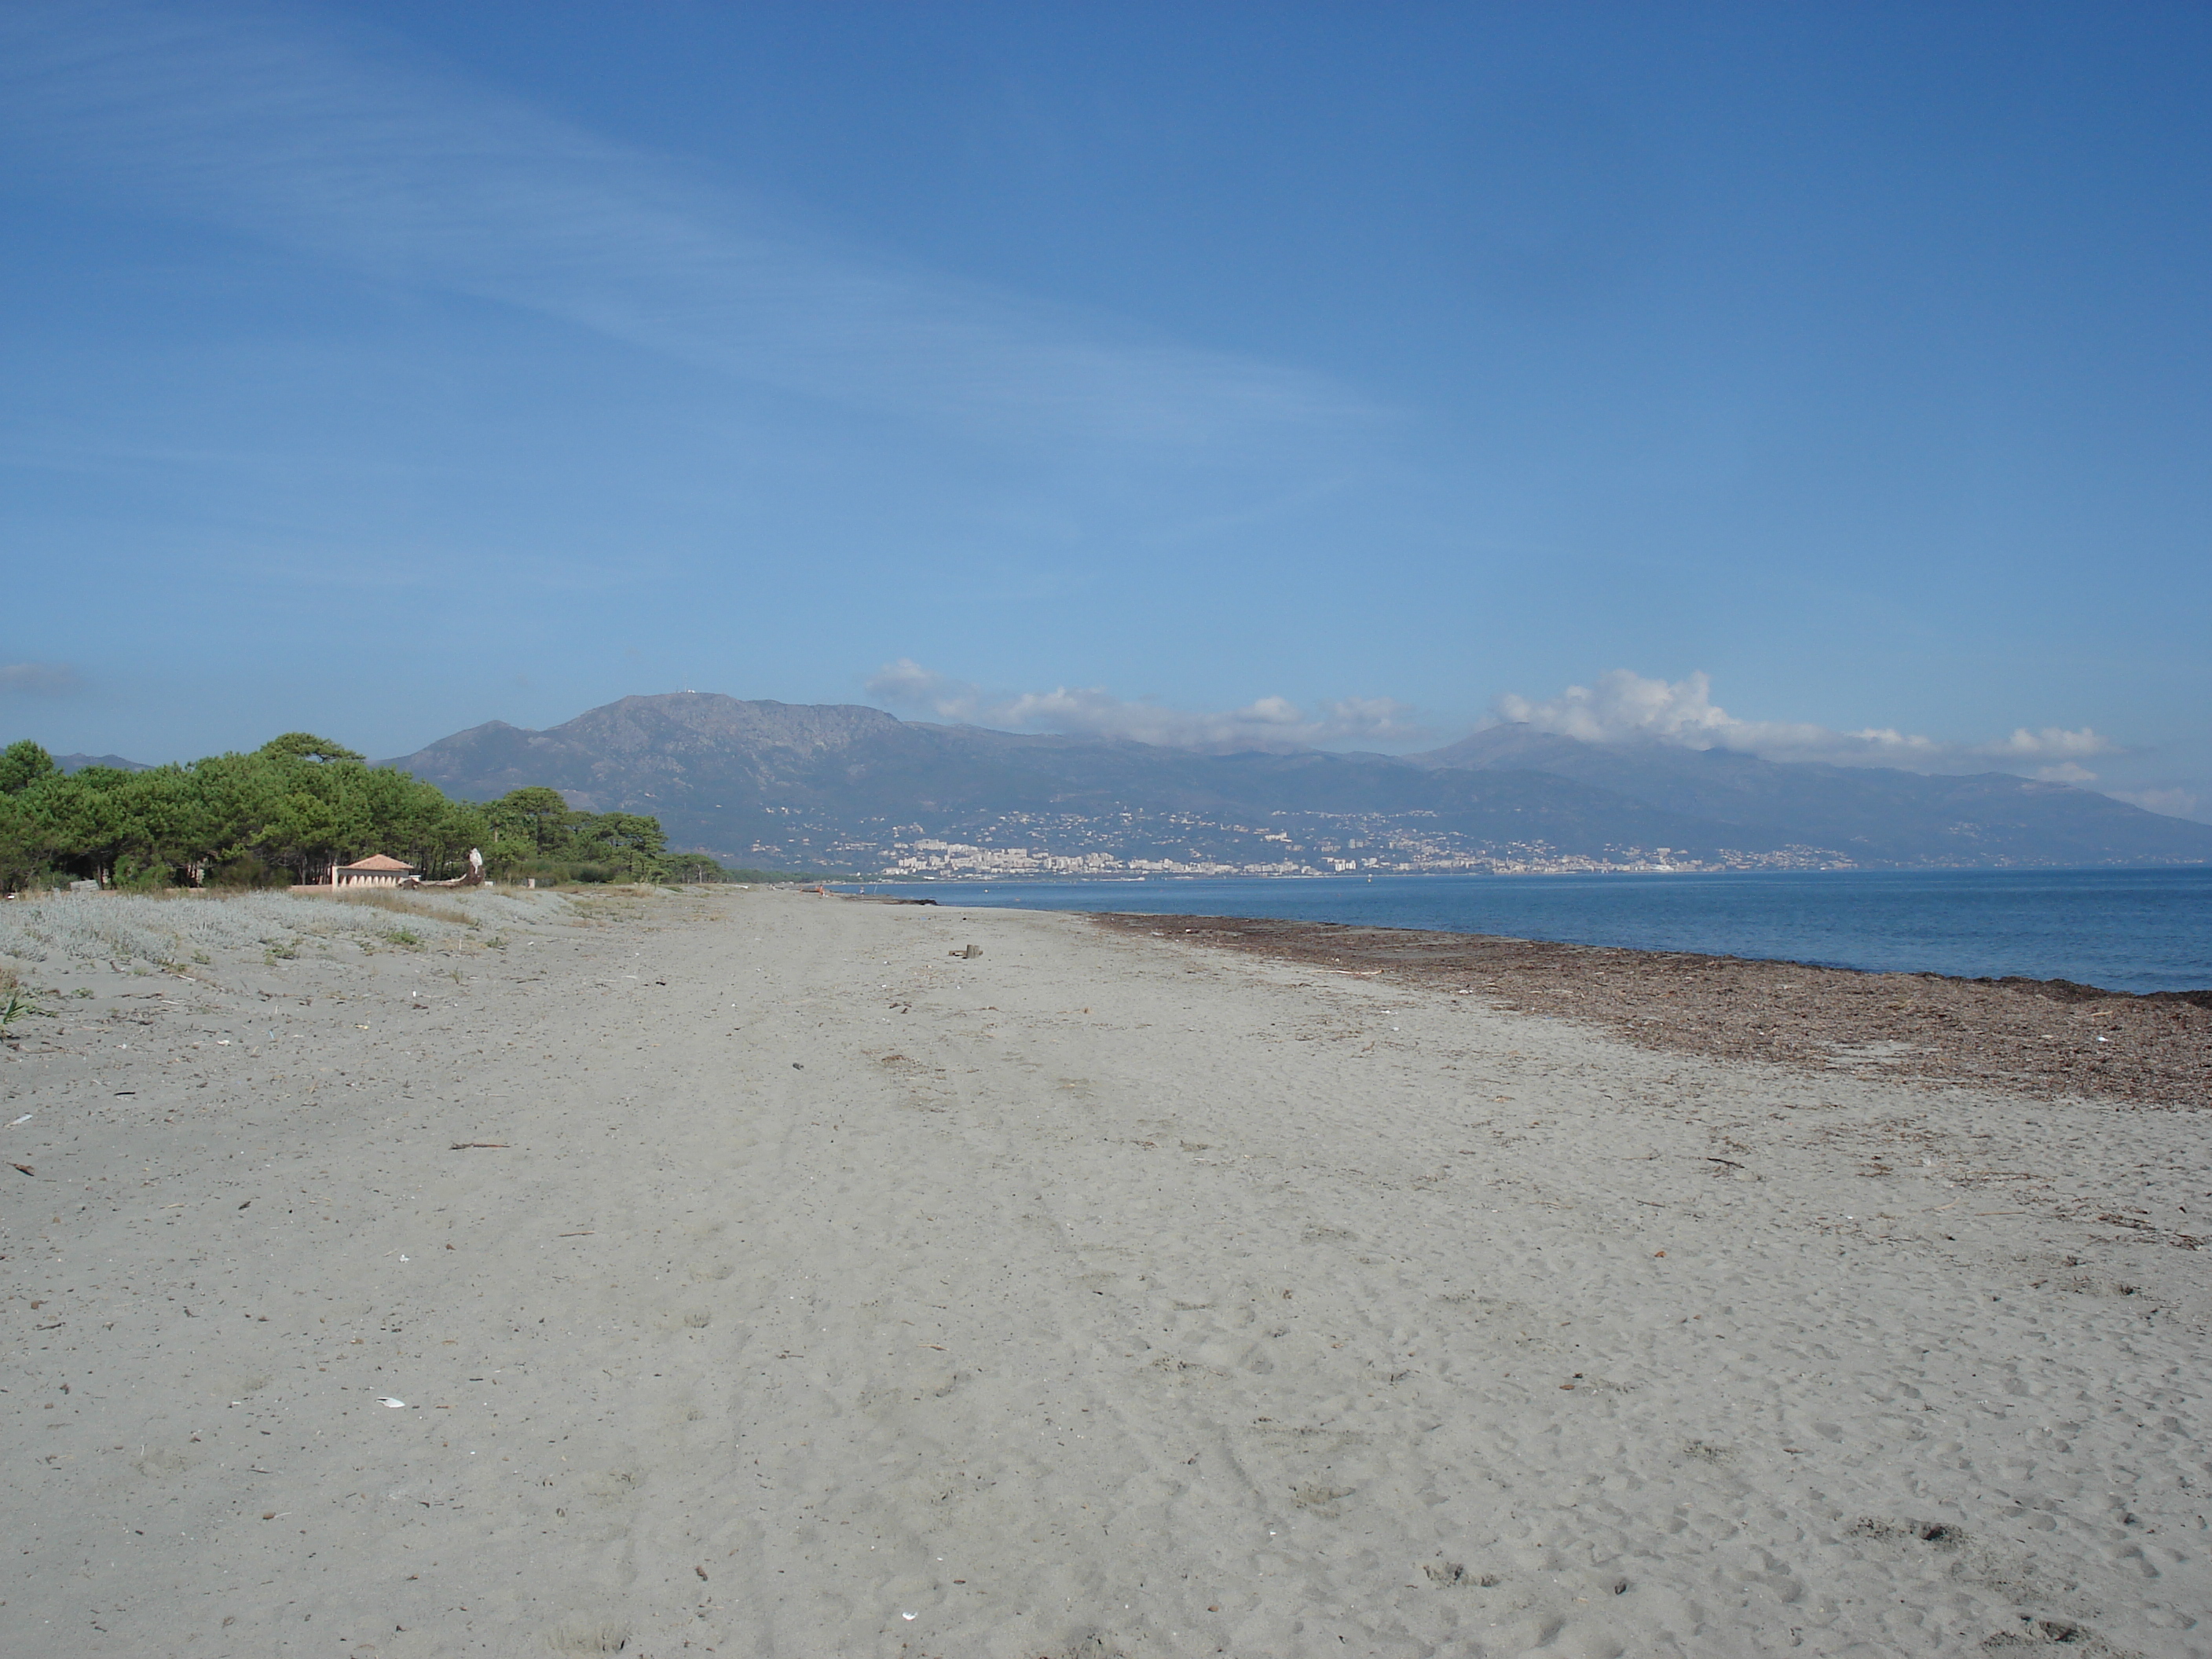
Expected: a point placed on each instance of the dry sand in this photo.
(823, 1293)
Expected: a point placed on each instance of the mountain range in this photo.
(115, 763)
(845, 788)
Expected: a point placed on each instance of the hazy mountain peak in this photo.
(812, 785)
(78, 763)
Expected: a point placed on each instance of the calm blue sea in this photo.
(2127, 930)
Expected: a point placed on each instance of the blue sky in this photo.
(1226, 373)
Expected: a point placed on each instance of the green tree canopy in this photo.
(307, 746)
(289, 811)
(23, 763)
(539, 817)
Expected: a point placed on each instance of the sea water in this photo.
(2126, 929)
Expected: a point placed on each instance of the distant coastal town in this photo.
(944, 860)
(1026, 845)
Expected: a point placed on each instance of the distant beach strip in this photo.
(2045, 1037)
(2138, 929)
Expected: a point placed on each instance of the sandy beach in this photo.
(745, 1272)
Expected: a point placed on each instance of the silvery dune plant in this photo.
(124, 927)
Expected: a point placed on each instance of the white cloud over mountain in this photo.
(2173, 803)
(1622, 706)
(1270, 723)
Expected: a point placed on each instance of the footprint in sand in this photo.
(598, 1635)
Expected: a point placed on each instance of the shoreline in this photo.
(1607, 874)
(2040, 1036)
(2137, 931)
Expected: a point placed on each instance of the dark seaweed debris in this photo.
(2047, 1037)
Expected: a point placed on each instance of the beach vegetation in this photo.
(402, 902)
(286, 813)
(307, 746)
(22, 764)
(124, 928)
(16, 998)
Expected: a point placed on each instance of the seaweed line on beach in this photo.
(2046, 1037)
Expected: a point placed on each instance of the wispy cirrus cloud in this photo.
(351, 149)
(1274, 724)
(1622, 706)
(39, 679)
